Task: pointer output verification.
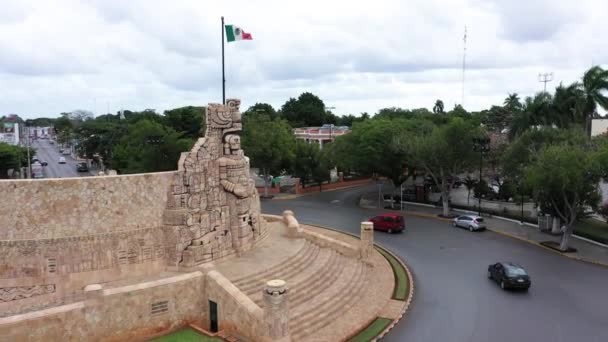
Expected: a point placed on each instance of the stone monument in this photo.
(213, 208)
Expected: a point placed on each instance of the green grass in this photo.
(186, 335)
(402, 288)
(592, 229)
(372, 330)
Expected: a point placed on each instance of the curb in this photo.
(294, 196)
(572, 257)
(408, 300)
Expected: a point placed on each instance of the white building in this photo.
(320, 135)
(599, 126)
(10, 133)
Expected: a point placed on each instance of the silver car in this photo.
(471, 222)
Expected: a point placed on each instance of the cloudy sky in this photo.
(97, 55)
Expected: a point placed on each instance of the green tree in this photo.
(444, 153)
(190, 121)
(137, 153)
(470, 184)
(564, 179)
(268, 143)
(512, 103)
(307, 111)
(13, 158)
(309, 163)
(438, 107)
(594, 86)
(64, 128)
(568, 105)
(262, 108)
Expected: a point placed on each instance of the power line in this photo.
(544, 78)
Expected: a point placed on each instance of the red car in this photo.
(388, 223)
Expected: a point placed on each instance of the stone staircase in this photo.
(323, 286)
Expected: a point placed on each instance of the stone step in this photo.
(341, 297)
(326, 318)
(308, 284)
(286, 272)
(289, 274)
(305, 253)
(304, 249)
(318, 283)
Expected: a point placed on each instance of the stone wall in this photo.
(237, 313)
(69, 207)
(125, 313)
(73, 232)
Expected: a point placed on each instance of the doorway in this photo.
(213, 316)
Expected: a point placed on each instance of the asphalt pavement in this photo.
(50, 154)
(454, 301)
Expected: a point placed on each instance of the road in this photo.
(50, 154)
(454, 301)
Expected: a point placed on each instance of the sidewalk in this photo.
(588, 252)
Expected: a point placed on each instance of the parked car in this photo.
(509, 276)
(390, 223)
(65, 152)
(61, 160)
(43, 163)
(82, 167)
(471, 222)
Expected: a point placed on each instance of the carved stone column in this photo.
(276, 311)
(366, 246)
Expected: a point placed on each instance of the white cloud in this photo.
(357, 56)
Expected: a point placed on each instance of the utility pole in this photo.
(544, 78)
(464, 64)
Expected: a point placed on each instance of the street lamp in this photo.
(481, 145)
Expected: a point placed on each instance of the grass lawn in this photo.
(372, 330)
(401, 290)
(186, 335)
(592, 229)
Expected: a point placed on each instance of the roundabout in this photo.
(454, 300)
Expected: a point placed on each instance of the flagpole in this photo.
(223, 76)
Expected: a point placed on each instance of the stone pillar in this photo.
(366, 246)
(293, 226)
(276, 311)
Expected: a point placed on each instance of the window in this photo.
(388, 219)
(514, 271)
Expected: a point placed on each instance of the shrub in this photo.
(603, 210)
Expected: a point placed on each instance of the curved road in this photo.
(454, 301)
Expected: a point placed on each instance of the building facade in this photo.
(321, 135)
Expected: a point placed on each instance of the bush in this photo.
(603, 210)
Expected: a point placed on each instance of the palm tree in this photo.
(470, 183)
(438, 108)
(568, 105)
(512, 102)
(595, 83)
(536, 111)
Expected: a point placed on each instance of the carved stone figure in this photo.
(213, 206)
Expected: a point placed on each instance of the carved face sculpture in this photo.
(234, 142)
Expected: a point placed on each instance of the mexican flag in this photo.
(236, 33)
